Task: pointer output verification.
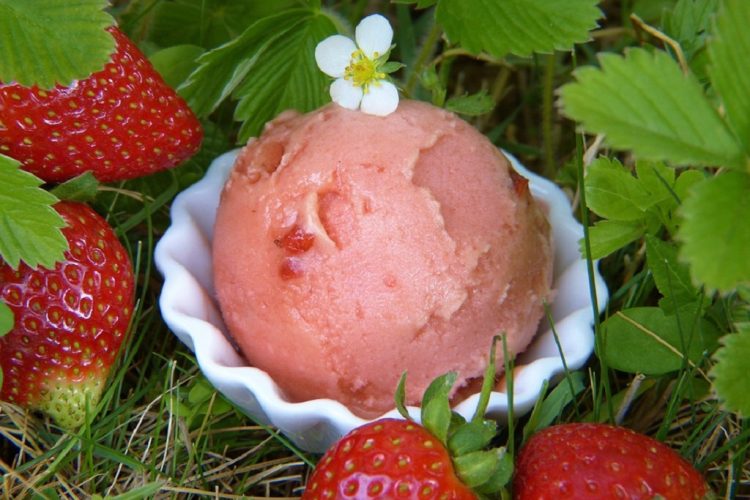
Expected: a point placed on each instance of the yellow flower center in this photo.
(363, 71)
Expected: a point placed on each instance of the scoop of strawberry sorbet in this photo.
(350, 248)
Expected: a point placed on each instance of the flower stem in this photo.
(428, 47)
(547, 117)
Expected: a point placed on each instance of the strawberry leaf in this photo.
(688, 23)
(730, 68)
(643, 102)
(471, 104)
(607, 236)
(421, 4)
(176, 63)
(29, 226)
(730, 371)
(6, 321)
(270, 67)
(436, 410)
(400, 397)
(47, 41)
(658, 181)
(472, 436)
(208, 23)
(613, 192)
(672, 277)
(501, 476)
(478, 467)
(646, 340)
(80, 188)
(517, 27)
(715, 231)
(285, 76)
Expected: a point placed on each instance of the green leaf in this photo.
(176, 63)
(500, 477)
(613, 192)
(431, 81)
(436, 410)
(608, 236)
(29, 226)
(48, 493)
(6, 320)
(201, 391)
(472, 436)
(658, 181)
(688, 23)
(685, 182)
(730, 65)
(421, 4)
(553, 405)
(488, 383)
(643, 102)
(517, 27)
(471, 104)
(400, 397)
(269, 68)
(147, 490)
(651, 10)
(478, 467)
(48, 41)
(715, 231)
(645, 340)
(222, 69)
(207, 23)
(729, 374)
(672, 277)
(80, 188)
(391, 67)
(285, 76)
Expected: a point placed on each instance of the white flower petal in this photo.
(374, 35)
(346, 94)
(381, 98)
(334, 54)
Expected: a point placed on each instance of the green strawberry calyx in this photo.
(485, 469)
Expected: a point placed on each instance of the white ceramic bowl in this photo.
(188, 306)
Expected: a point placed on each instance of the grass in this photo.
(161, 431)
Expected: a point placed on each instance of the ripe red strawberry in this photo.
(387, 458)
(445, 457)
(596, 461)
(69, 321)
(121, 122)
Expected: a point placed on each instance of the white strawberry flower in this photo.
(360, 68)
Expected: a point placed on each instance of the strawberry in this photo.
(585, 460)
(388, 458)
(69, 321)
(121, 122)
(444, 457)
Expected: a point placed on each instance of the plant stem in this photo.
(548, 140)
(598, 337)
(428, 47)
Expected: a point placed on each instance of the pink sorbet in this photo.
(350, 248)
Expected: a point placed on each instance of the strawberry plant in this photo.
(638, 108)
(688, 200)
